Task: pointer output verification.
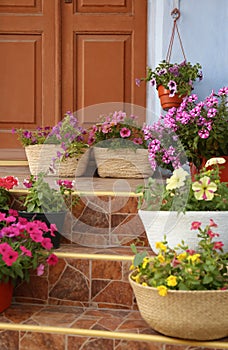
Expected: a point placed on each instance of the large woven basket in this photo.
(122, 163)
(40, 157)
(198, 315)
(75, 166)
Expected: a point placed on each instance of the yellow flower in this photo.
(204, 189)
(132, 267)
(144, 284)
(181, 256)
(162, 290)
(177, 179)
(161, 258)
(161, 246)
(145, 262)
(215, 160)
(171, 281)
(194, 258)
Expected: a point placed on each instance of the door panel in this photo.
(103, 51)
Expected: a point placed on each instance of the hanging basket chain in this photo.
(176, 15)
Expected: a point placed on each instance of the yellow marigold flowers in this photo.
(171, 281)
(161, 258)
(144, 284)
(182, 256)
(145, 262)
(194, 258)
(162, 290)
(160, 246)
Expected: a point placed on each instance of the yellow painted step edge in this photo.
(112, 335)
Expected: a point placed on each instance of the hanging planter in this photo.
(168, 101)
(173, 81)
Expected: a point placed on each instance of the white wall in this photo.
(203, 30)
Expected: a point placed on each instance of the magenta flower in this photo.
(10, 256)
(125, 132)
(26, 251)
(40, 270)
(52, 259)
(204, 133)
(196, 225)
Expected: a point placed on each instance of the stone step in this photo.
(29, 326)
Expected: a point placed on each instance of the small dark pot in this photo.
(56, 218)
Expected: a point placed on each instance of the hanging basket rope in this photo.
(176, 15)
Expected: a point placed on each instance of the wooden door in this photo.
(57, 56)
(103, 51)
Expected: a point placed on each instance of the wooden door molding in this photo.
(29, 67)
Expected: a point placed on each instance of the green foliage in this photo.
(206, 268)
(43, 198)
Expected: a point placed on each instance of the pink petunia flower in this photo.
(195, 225)
(125, 132)
(52, 259)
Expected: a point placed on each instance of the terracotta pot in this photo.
(223, 173)
(6, 294)
(167, 101)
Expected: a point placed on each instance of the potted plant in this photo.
(24, 247)
(173, 81)
(119, 147)
(55, 150)
(48, 202)
(72, 158)
(169, 207)
(39, 149)
(7, 183)
(183, 292)
(201, 126)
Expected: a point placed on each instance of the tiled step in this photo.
(32, 327)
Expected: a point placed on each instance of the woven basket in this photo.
(40, 157)
(198, 315)
(122, 163)
(75, 166)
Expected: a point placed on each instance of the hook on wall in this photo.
(175, 14)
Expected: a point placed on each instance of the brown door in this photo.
(57, 55)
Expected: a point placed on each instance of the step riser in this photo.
(102, 221)
(80, 282)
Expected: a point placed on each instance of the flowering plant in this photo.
(181, 193)
(178, 78)
(202, 127)
(43, 198)
(181, 268)
(70, 135)
(24, 247)
(164, 147)
(118, 131)
(7, 183)
(32, 137)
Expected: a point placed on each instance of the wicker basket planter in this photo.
(40, 157)
(122, 163)
(73, 167)
(198, 315)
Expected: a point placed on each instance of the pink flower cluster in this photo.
(117, 125)
(23, 244)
